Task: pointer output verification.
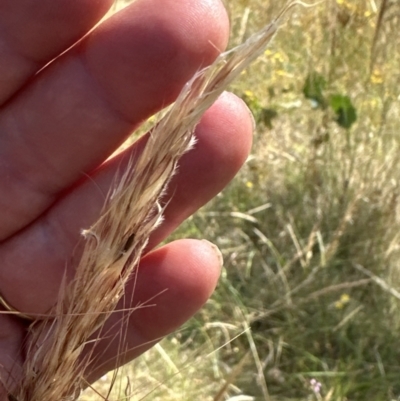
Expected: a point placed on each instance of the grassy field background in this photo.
(308, 303)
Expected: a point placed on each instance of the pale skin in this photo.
(58, 127)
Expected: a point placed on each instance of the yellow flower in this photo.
(376, 76)
(249, 94)
(249, 184)
(344, 299)
(338, 305)
(279, 57)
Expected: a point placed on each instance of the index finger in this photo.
(33, 32)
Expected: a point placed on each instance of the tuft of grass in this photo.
(315, 201)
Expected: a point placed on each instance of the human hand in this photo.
(58, 126)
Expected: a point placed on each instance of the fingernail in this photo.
(217, 252)
(253, 121)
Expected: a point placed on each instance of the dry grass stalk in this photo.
(54, 368)
(379, 23)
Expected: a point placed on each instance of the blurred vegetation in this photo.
(308, 304)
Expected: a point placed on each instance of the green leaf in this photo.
(313, 88)
(346, 113)
(266, 116)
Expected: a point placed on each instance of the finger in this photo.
(75, 113)
(33, 32)
(224, 139)
(37, 258)
(12, 334)
(170, 286)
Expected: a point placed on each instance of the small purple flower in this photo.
(315, 386)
